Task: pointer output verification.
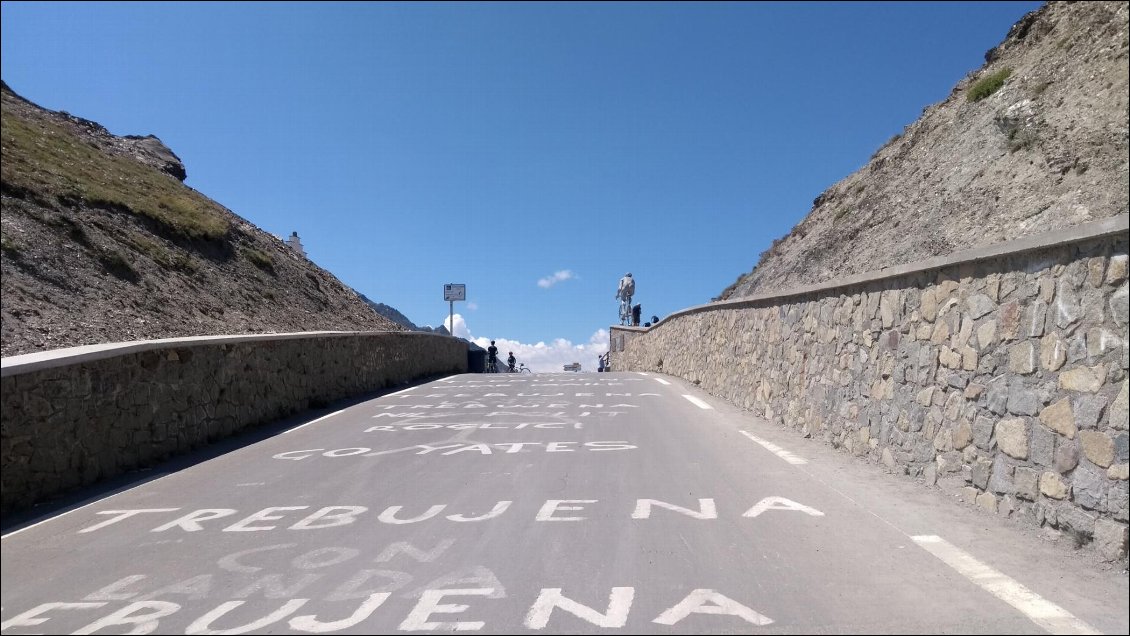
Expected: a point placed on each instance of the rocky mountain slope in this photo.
(103, 243)
(1036, 140)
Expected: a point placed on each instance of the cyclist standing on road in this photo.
(510, 361)
(492, 357)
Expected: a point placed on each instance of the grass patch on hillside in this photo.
(46, 158)
(9, 246)
(259, 258)
(988, 85)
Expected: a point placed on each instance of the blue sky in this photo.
(503, 144)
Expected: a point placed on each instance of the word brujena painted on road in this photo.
(434, 611)
(454, 449)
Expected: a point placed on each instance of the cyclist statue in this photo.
(510, 361)
(624, 293)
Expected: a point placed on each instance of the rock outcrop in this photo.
(102, 242)
(1034, 141)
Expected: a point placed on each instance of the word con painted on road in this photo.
(453, 449)
(337, 516)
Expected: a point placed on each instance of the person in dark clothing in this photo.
(636, 316)
(510, 362)
(492, 357)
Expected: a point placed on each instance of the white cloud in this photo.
(472, 305)
(460, 330)
(550, 281)
(542, 356)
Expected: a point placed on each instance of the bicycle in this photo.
(625, 311)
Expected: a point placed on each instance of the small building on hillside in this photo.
(295, 244)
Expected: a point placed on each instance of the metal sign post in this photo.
(451, 293)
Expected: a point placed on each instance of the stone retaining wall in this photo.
(75, 416)
(1002, 371)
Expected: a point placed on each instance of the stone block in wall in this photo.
(1042, 444)
(1008, 320)
(1037, 315)
(1100, 341)
(980, 471)
(1071, 519)
(1000, 476)
(1096, 268)
(1077, 348)
(1088, 486)
(1012, 437)
(1116, 269)
(1118, 306)
(1022, 358)
(1060, 417)
(1083, 379)
(1021, 400)
(979, 305)
(1111, 539)
(1053, 352)
(1026, 483)
(1067, 308)
(1066, 457)
(987, 501)
(1098, 447)
(1120, 408)
(1052, 485)
(1118, 499)
(987, 334)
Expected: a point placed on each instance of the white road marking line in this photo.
(401, 391)
(697, 402)
(662, 381)
(643, 374)
(776, 450)
(95, 502)
(1043, 613)
(324, 417)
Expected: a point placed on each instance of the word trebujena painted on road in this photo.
(297, 517)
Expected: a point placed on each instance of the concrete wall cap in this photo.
(28, 362)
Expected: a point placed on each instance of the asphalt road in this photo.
(563, 503)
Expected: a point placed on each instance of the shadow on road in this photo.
(86, 495)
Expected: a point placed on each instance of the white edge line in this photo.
(324, 417)
(661, 381)
(103, 500)
(400, 391)
(776, 450)
(60, 516)
(1042, 612)
(697, 402)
